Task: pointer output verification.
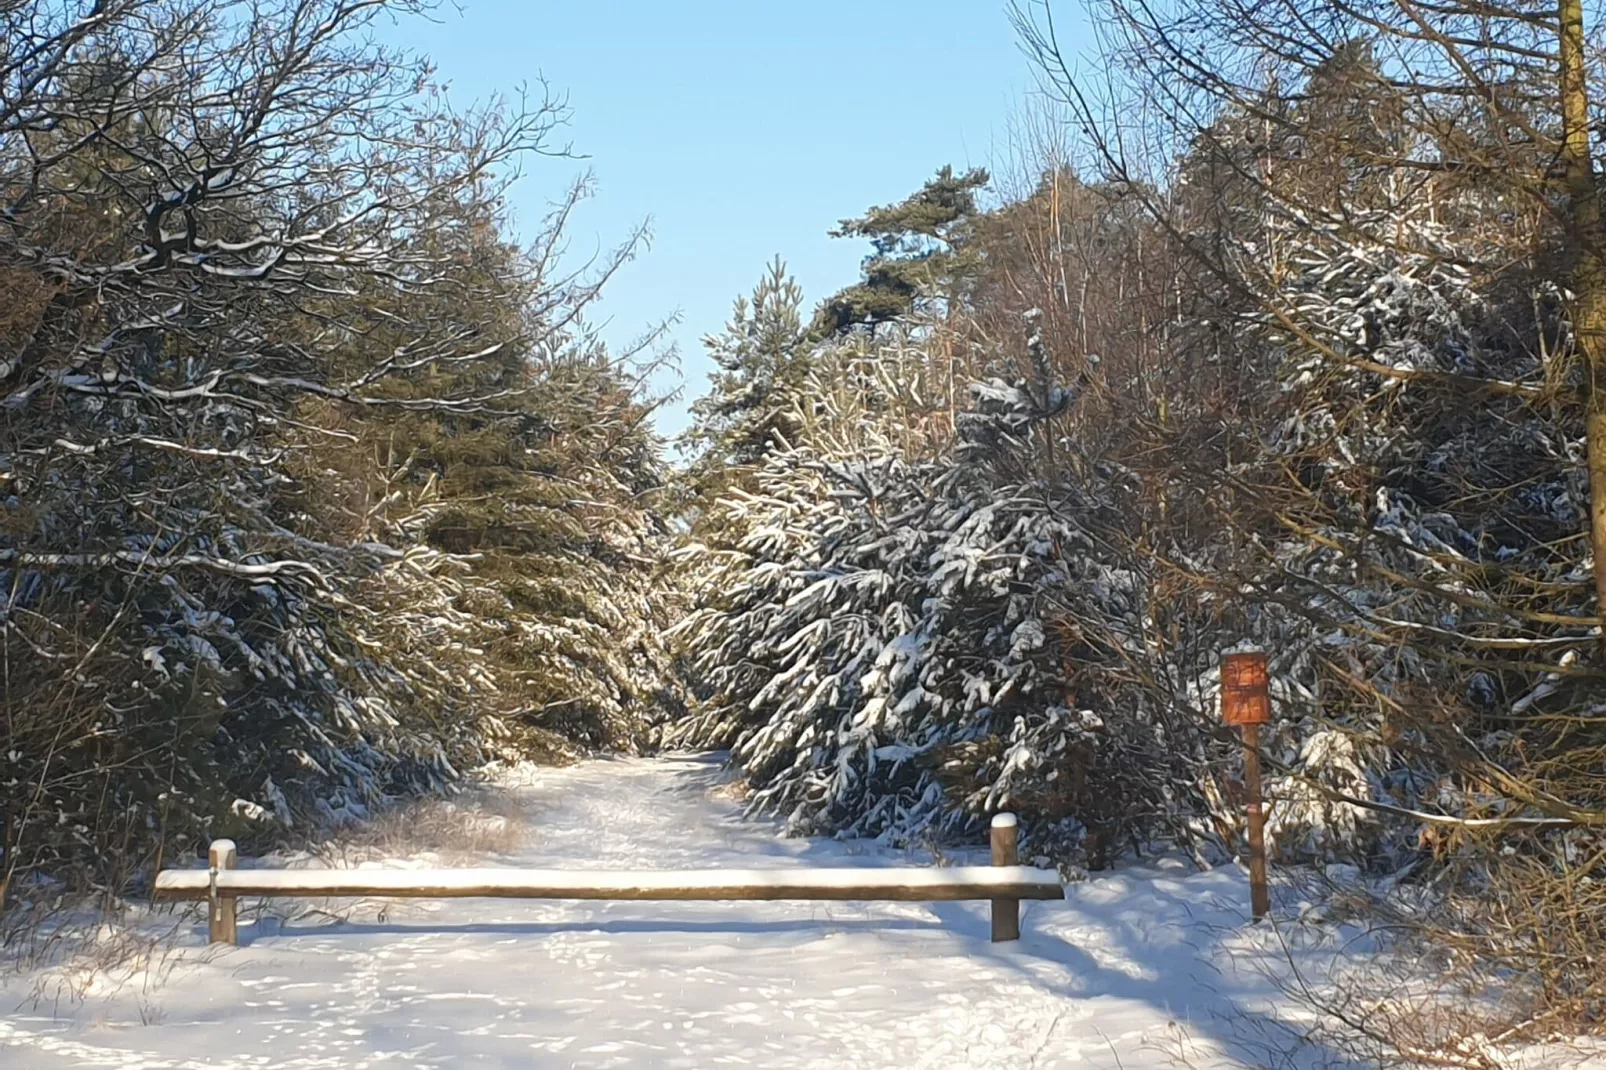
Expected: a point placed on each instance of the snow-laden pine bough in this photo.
(1004, 883)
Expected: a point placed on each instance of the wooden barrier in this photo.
(1004, 883)
(222, 920)
(1006, 909)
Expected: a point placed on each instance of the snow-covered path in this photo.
(1131, 971)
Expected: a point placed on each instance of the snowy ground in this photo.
(1143, 969)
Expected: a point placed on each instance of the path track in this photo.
(1126, 973)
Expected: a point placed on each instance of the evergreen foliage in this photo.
(1349, 438)
(877, 616)
(761, 359)
(316, 491)
(1335, 404)
(921, 252)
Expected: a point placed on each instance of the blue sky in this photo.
(741, 130)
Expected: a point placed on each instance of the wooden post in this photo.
(1246, 702)
(1006, 911)
(1259, 895)
(222, 923)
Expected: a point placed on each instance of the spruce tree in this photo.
(761, 361)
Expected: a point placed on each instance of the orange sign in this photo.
(1245, 689)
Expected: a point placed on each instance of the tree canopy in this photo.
(921, 252)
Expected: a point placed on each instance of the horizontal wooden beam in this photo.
(924, 884)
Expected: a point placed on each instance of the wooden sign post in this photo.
(1246, 702)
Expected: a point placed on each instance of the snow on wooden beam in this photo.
(924, 884)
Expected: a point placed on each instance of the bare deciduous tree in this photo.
(1388, 217)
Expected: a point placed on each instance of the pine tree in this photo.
(921, 252)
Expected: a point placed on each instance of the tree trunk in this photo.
(1588, 238)
(1591, 318)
